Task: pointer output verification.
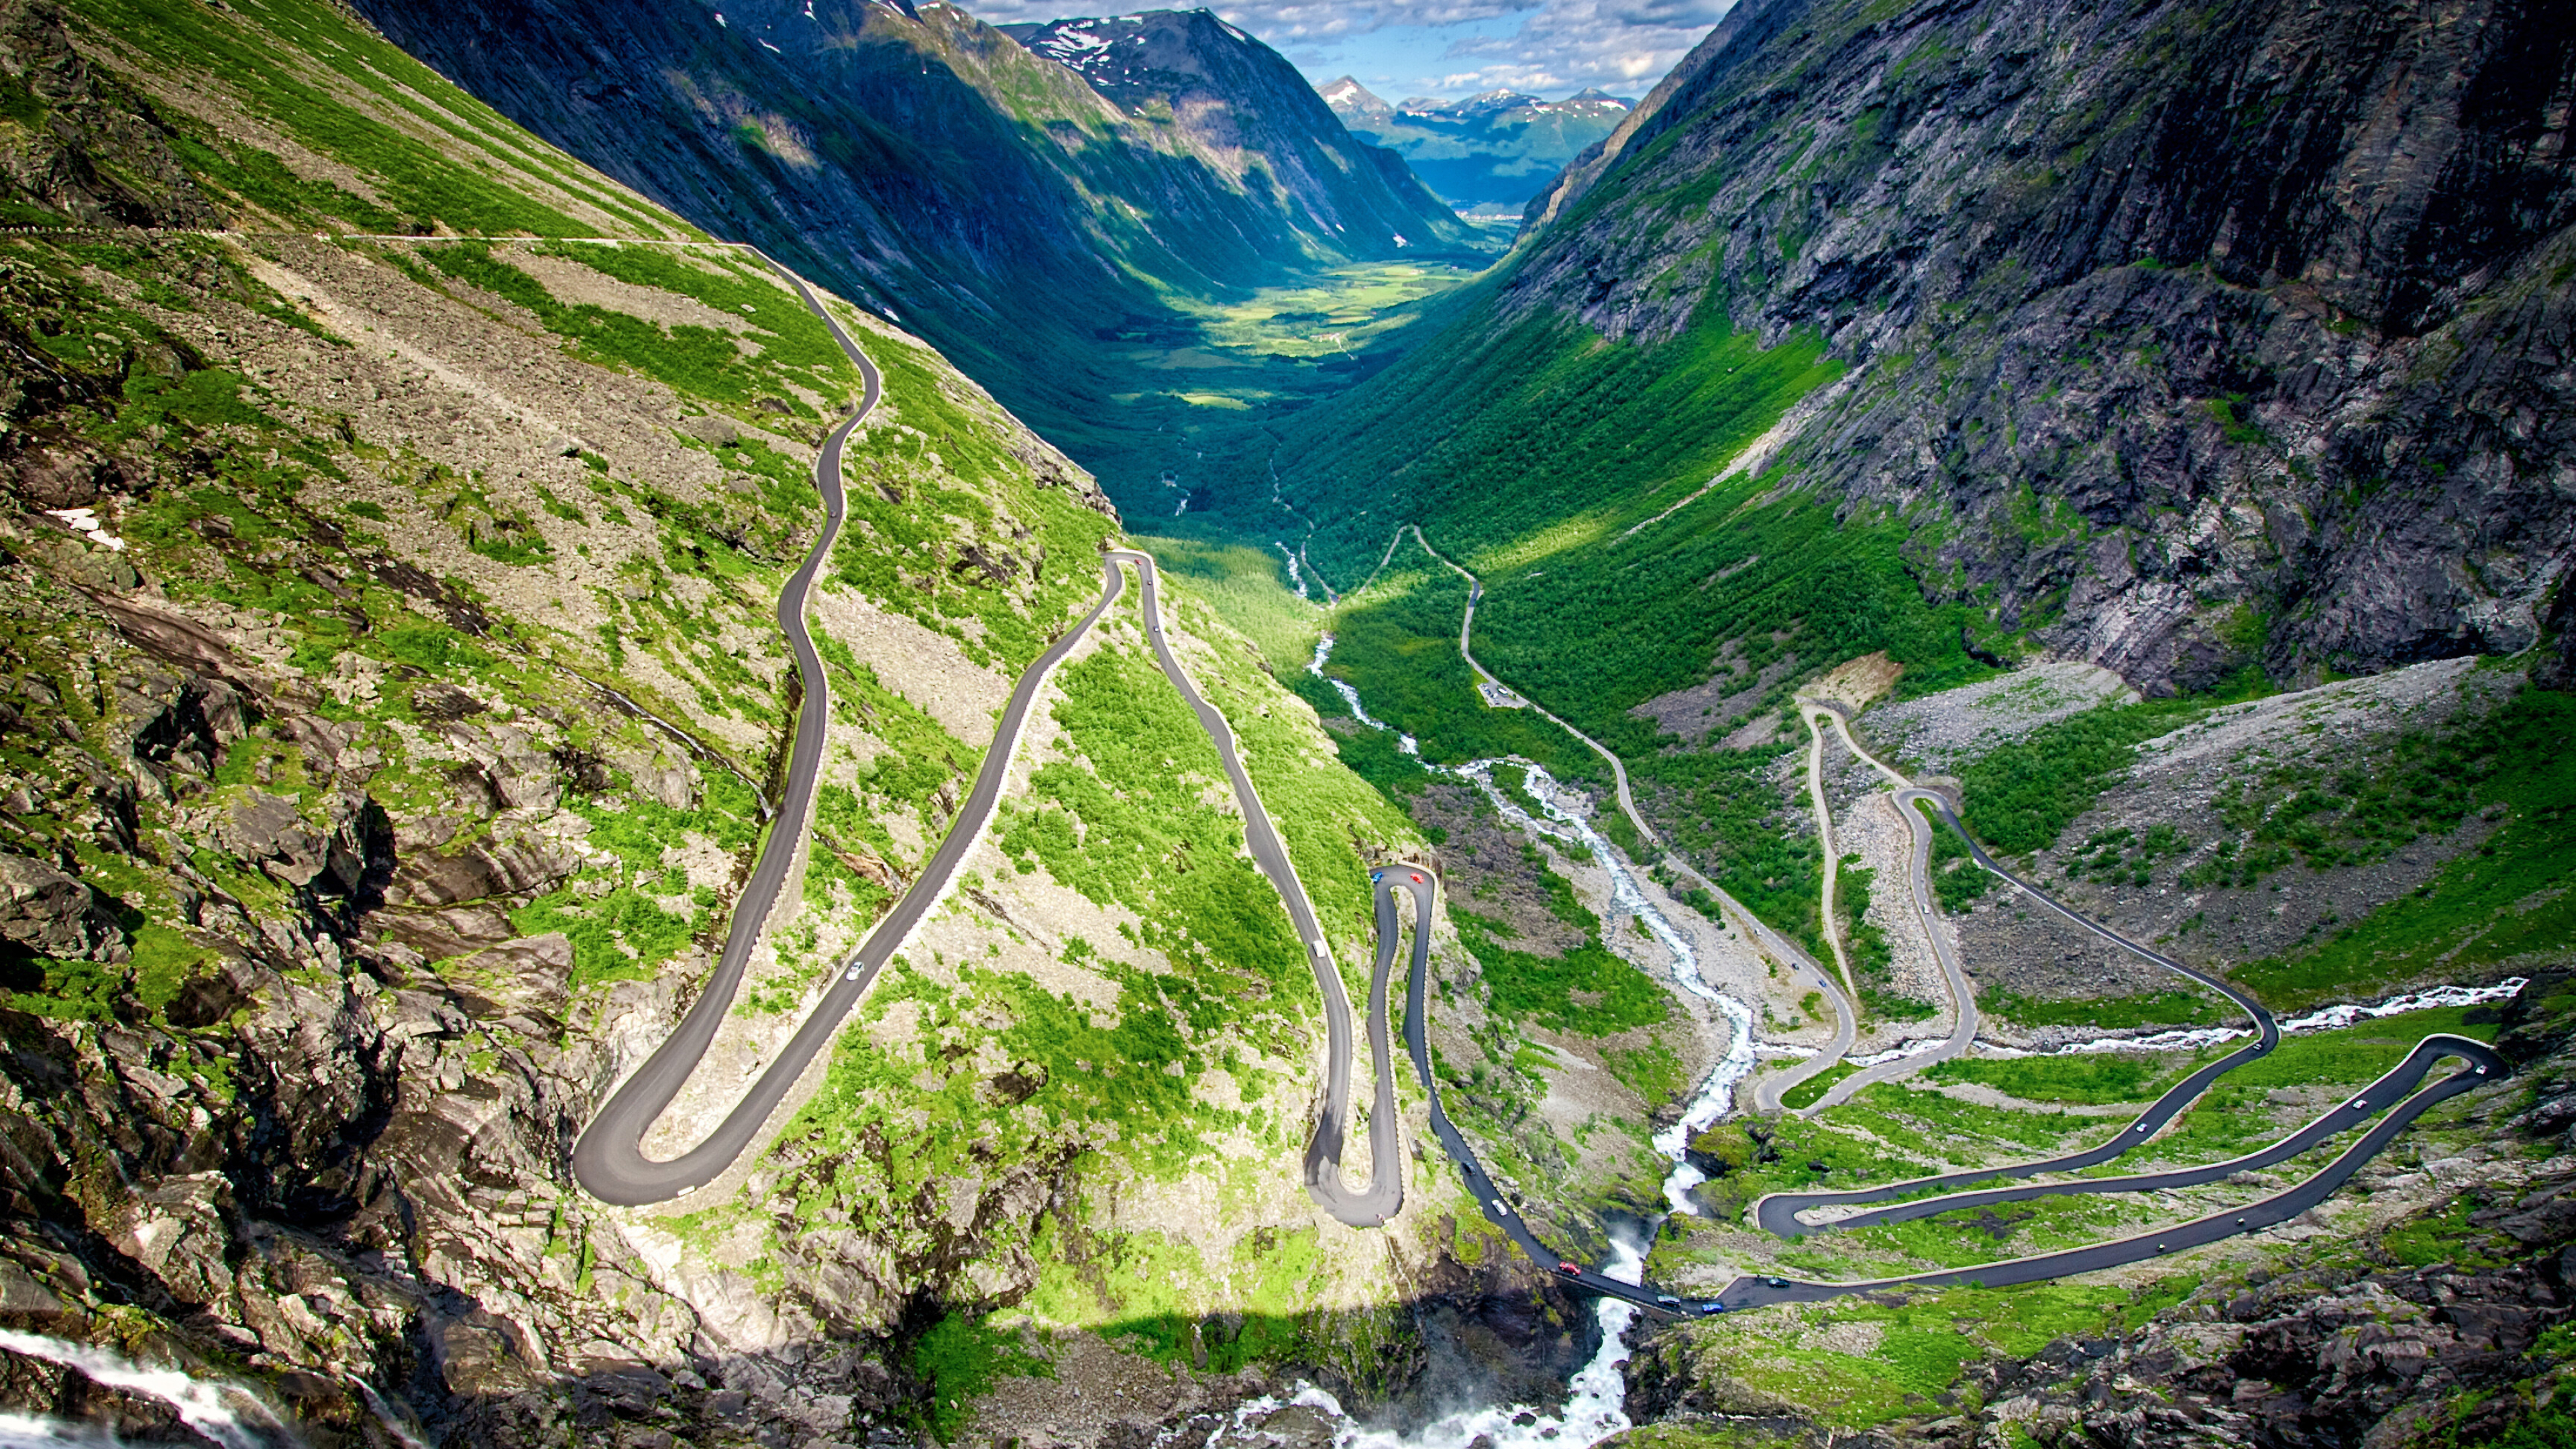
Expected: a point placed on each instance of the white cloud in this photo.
(1454, 47)
(1619, 45)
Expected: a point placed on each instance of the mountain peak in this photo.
(1195, 78)
(1349, 98)
(1486, 102)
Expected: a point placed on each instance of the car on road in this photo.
(1709, 1309)
(1667, 1300)
(1775, 1282)
(1569, 1270)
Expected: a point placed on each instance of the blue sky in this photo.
(1453, 48)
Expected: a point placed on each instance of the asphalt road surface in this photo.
(2483, 1066)
(1395, 883)
(1778, 1212)
(1767, 1091)
(609, 1161)
(1963, 1028)
(1364, 1207)
(1466, 630)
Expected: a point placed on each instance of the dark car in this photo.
(1569, 1270)
(1710, 1308)
(1777, 1282)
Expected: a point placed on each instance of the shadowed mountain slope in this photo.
(1244, 104)
(928, 164)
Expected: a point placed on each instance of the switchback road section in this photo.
(1779, 1213)
(609, 1159)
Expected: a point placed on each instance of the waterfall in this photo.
(228, 1414)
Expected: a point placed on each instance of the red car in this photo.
(1569, 1270)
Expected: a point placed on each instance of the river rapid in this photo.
(1595, 1402)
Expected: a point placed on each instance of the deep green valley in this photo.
(848, 723)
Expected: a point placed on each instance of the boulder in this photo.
(336, 857)
(62, 475)
(712, 428)
(659, 772)
(49, 913)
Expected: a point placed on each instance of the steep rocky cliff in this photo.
(2177, 339)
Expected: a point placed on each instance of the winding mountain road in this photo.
(1767, 1091)
(609, 1162)
(1373, 1205)
(609, 1159)
(1777, 1213)
(1963, 997)
(1422, 884)
(2482, 1065)
(1780, 1213)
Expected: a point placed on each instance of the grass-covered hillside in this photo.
(2334, 844)
(2441, 1254)
(1822, 360)
(394, 707)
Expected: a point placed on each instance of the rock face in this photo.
(2187, 338)
(923, 161)
(87, 151)
(44, 912)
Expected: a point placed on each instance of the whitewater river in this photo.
(1594, 1404)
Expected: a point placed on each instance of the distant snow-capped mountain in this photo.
(1497, 149)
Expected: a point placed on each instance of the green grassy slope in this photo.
(397, 544)
(1541, 456)
(373, 140)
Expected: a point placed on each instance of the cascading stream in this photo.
(1351, 697)
(1595, 1401)
(1594, 1407)
(2326, 1018)
(1716, 1095)
(227, 1414)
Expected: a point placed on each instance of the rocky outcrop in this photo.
(86, 150)
(45, 912)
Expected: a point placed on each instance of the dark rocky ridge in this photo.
(79, 146)
(1243, 101)
(2273, 298)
